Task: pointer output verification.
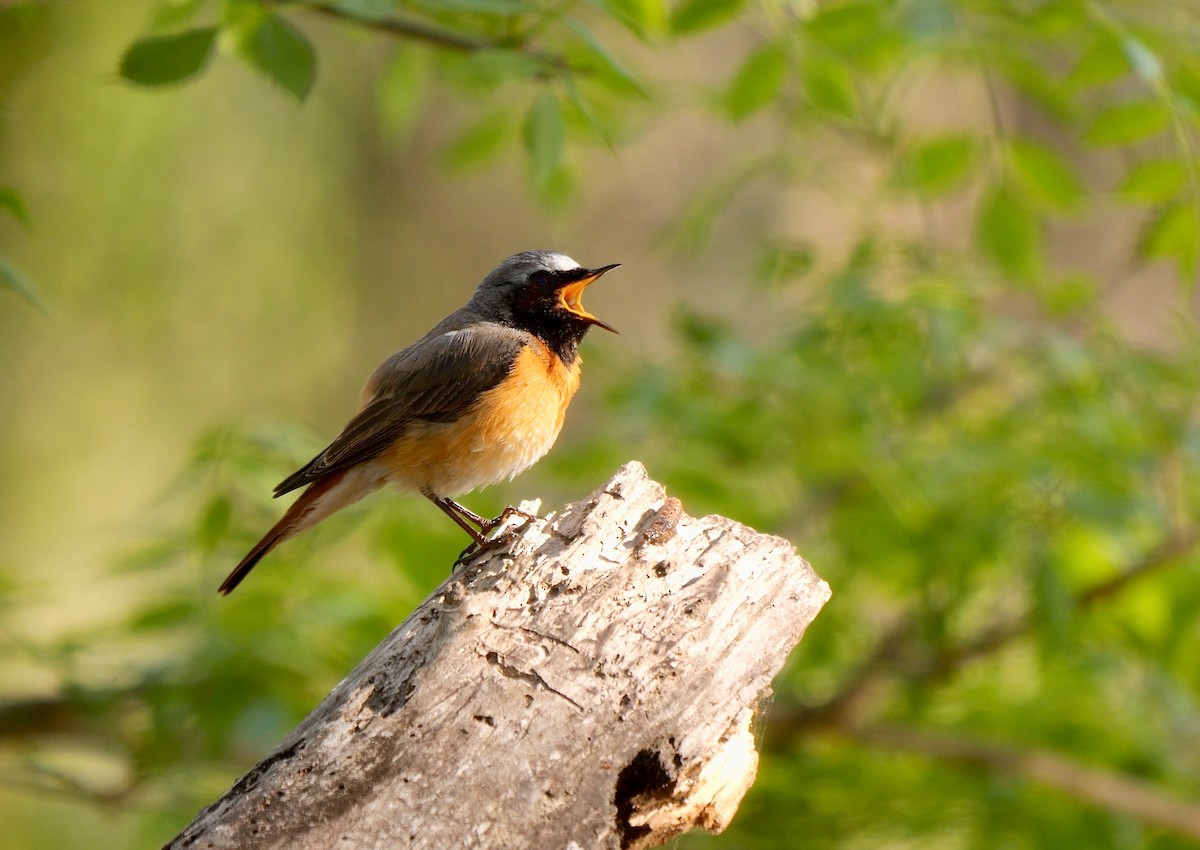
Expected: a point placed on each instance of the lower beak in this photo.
(572, 295)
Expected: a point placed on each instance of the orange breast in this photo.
(506, 431)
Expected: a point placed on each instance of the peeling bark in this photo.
(591, 683)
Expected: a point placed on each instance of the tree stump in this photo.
(589, 683)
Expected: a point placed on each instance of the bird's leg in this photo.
(467, 514)
(448, 507)
(486, 525)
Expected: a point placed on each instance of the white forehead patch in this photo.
(561, 263)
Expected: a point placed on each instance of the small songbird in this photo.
(478, 399)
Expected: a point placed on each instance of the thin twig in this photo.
(427, 33)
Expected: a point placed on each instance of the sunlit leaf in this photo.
(1007, 233)
(168, 59)
(644, 17)
(757, 82)
(1070, 295)
(1045, 177)
(1127, 123)
(937, 165)
(1101, 62)
(828, 87)
(1175, 235)
(691, 16)
(1154, 181)
(846, 27)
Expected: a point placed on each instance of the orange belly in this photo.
(506, 431)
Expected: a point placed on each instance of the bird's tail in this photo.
(322, 498)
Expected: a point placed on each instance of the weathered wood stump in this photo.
(589, 684)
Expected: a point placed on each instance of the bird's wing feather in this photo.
(434, 380)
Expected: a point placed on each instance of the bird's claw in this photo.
(487, 544)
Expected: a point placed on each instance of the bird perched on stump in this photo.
(478, 399)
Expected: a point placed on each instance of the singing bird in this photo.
(478, 399)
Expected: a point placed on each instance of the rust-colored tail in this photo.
(322, 498)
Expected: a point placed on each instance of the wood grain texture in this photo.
(590, 684)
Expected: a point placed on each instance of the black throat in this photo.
(561, 335)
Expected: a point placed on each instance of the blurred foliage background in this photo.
(911, 282)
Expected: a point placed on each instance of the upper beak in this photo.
(572, 294)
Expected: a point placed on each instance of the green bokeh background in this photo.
(910, 283)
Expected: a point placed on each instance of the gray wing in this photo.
(434, 380)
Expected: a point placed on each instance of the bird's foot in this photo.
(487, 525)
(483, 543)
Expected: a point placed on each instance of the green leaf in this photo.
(12, 203)
(1069, 295)
(164, 60)
(479, 142)
(544, 135)
(13, 280)
(1174, 235)
(479, 7)
(402, 88)
(757, 82)
(828, 87)
(1127, 123)
(1008, 234)
(936, 166)
(1043, 175)
(1033, 79)
(482, 70)
(1154, 181)
(1053, 604)
(214, 522)
(282, 53)
(780, 263)
(1102, 62)
(173, 14)
(619, 74)
(602, 131)
(846, 27)
(643, 17)
(695, 15)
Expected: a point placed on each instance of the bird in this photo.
(477, 400)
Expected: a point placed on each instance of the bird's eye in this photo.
(539, 278)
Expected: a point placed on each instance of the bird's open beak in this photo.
(572, 294)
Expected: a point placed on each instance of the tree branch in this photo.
(589, 683)
(1094, 786)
